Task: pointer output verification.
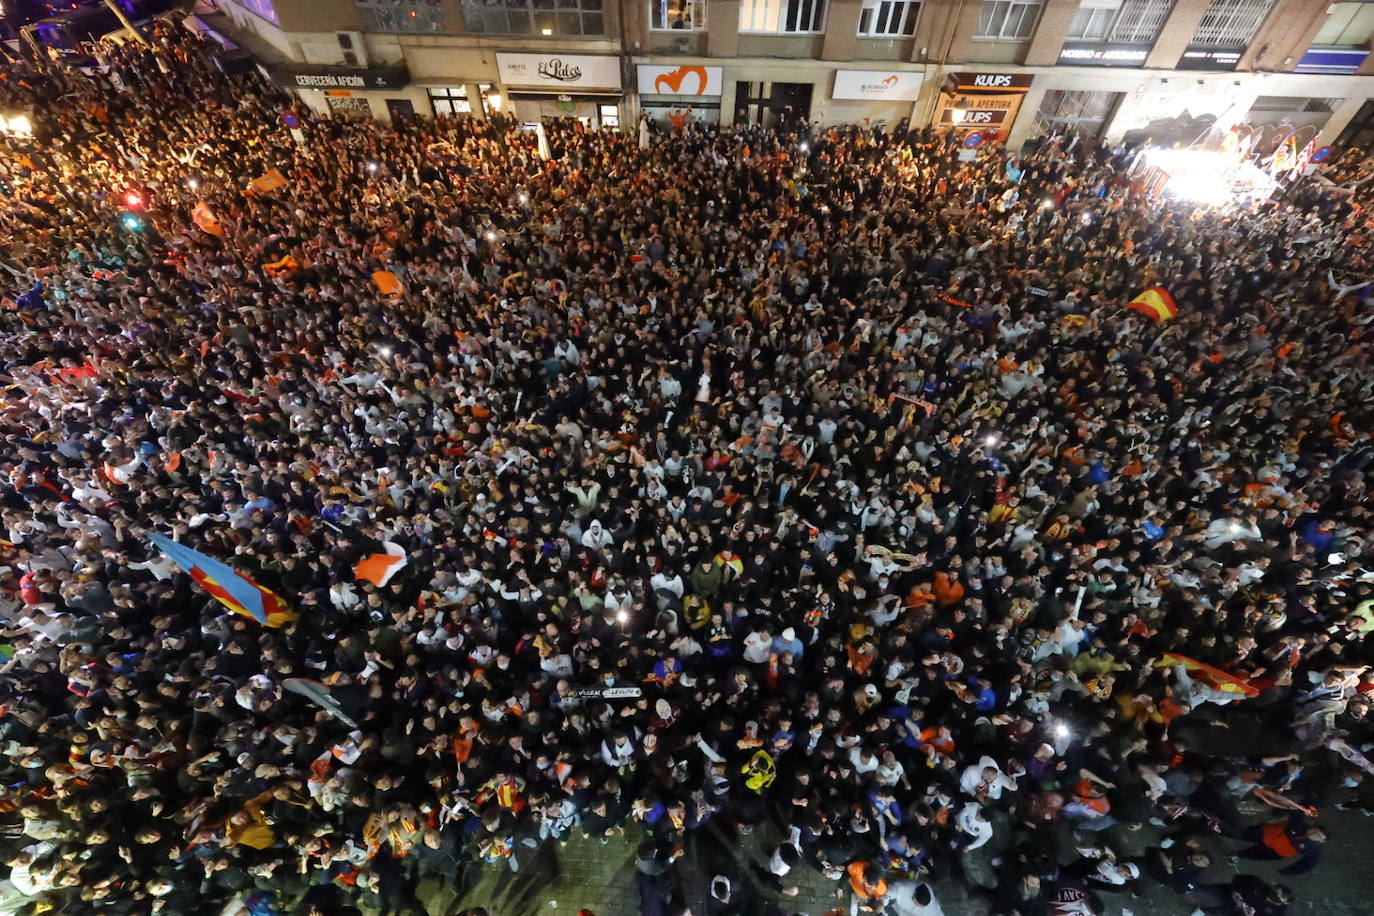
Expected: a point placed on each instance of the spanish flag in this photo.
(1213, 677)
(235, 591)
(1155, 303)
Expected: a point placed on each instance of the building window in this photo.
(1231, 23)
(677, 15)
(262, 8)
(1009, 20)
(449, 100)
(888, 18)
(1125, 21)
(610, 115)
(401, 15)
(796, 17)
(1348, 25)
(535, 17)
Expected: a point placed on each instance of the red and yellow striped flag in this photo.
(1155, 303)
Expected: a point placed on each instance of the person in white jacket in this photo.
(974, 827)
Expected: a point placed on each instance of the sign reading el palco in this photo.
(559, 71)
(340, 78)
(687, 79)
(876, 85)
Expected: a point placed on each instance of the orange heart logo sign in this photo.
(673, 80)
(891, 80)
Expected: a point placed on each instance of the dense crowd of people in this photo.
(808, 482)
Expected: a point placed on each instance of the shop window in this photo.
(610, 115)
(1348, 25)
(545, 18)
(782, 17)
(888, 18)
(1007, 20)
(449, 100)
(1231, 23)
(677, 15)
(401, 15)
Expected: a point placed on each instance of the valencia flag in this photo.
(1156, 304)
(235, 591)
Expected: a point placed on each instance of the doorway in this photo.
(781, 105)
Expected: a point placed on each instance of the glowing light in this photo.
(524, 198)
(1046, 204)
(805, 147)
(19, 125)
(622, 617)
(132, 223)
(1061, 730)
(385, 351)
(494, 100)
(991, 439)
(491, 236)
(1210, 179)
(372, 166)
(133, 199)
(546, 30)
(193, 183)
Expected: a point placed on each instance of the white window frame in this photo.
(900, 21)
(450, 97)
(771, 17)
(696, 21)
(1350, 11)
(1007, 8)
(1092, 23)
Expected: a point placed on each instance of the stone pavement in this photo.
(556, 880)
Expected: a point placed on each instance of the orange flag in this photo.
(387, 283)
(268, 182)
(205, 219)
(380, 567)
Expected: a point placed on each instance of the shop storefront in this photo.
(583, 86)
(379, 92)
(876, 96)
(985, 102)
(672, 94)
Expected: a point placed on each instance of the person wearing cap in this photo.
(787, 641)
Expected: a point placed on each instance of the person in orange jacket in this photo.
(866, 881)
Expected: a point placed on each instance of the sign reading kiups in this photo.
(991, 82)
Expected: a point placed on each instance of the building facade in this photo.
(1010, 69)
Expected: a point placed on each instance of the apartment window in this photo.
(449, 100)
(796, 17)
(1231, 23)
(535, 17)
(1347, 25)
(263, 8)
(888, 18)
(401, 15)
(679, 15)
(1009, 20)
(1125, 21)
